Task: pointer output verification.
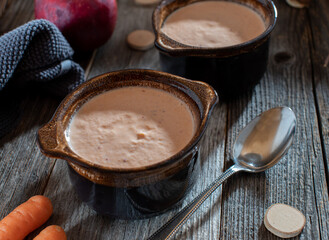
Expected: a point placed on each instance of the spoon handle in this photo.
(169, 229)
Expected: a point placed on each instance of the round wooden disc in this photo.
(284, 221)
(141, 40)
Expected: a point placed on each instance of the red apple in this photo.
(86, 24)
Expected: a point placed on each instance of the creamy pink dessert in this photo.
(213, 24)
(131, 127)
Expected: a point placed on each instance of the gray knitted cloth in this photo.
(34, 54)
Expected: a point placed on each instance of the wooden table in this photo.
(297, 76)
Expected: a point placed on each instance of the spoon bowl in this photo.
(262, 143)
(259, 146)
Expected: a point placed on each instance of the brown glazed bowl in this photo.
(232, 70)
(137, 192)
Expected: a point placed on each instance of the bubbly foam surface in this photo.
(131, 127)
(213, 24)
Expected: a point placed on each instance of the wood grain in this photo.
(297, 77)
(293, 181)
(116, 54)
(319, 51)
(24, 171)
(16, 13)
(3, 4)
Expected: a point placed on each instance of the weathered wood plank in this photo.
(295, 180)
(23, 169)
(3, 5)
(15, 14)
(22, 172)
(320, 65)
(116, 54)
(242, 210)
(238, 210)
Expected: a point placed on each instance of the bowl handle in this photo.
(47, 139)
(204, 92)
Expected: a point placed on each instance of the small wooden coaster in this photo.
(295, 4)
(147, 2)
(141, 40)
(284, 221)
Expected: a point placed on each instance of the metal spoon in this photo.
(259, 146)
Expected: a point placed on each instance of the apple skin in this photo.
(86, 24)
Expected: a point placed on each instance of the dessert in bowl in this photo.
(131, 140)
(224, 43)
(131, 127)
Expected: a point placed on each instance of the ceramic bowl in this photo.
(232, 70)
(136, 192)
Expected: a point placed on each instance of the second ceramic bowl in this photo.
(232, 70)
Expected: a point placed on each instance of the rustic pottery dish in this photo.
(134, 192)
(231, 70)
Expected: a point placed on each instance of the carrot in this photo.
(52, 232)
(25, 218)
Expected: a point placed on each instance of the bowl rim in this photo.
(65, 152)
(173, 48)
